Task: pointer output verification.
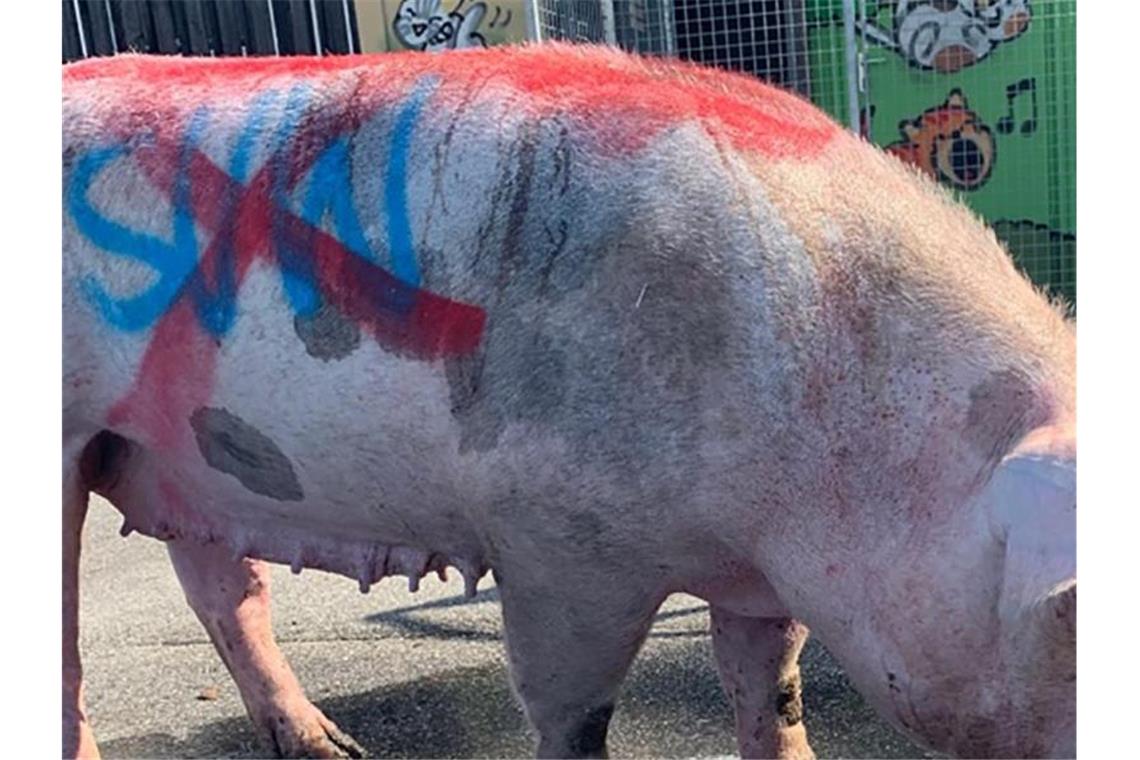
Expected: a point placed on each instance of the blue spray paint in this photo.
(172, 261)
(329, 192)
(297, 273)
(326, 194)
(217, 308)
(396, 185)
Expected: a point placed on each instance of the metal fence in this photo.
(208, 27)
(979, 94)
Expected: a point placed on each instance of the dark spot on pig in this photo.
(789, 701)
(520, 202)
(588, 738)
(327, 333)
(233, 446)
(1002, 408)
(464, 377)
(519, 375)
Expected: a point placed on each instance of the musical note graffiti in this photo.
(1013, 93)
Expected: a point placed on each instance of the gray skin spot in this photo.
(588, 738)
(327, 333)
(233, 446)
(528, 370)
(1002, 409)
(528, 383)
(617, 311)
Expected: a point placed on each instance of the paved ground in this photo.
(408, 675)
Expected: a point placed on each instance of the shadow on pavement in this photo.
(671, 706)
(408, 621)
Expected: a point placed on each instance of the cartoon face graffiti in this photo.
(949, 35)
(949, 143)
(421, 25)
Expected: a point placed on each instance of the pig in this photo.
(610, 328)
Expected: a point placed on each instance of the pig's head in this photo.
(1031, 500)
(980, 660)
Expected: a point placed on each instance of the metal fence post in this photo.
(609, 29)
(533, 22)
(851, 49)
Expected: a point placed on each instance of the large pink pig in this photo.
(613, 328)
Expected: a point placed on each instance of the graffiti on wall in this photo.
(950, 143)
(424, 24)
(1014, 59)
(278, 214)
(1014, 100)
(949, 35)
(438, 25)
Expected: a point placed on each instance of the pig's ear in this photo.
(1031, 502)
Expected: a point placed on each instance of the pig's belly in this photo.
(347, 461)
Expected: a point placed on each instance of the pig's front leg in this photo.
(231, 598)
(570, 642)
(758, 659)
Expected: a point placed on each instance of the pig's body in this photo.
(613, 329)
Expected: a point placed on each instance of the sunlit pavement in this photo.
(408, 675)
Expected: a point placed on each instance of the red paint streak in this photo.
(176, 377)
(631, 100)
(624, 101)
(403, 319)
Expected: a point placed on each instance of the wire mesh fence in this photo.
(576, 21)
(979, 94)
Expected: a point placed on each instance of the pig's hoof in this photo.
(307, 732)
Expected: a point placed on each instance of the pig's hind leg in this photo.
(78, 740)
(758, 660)
(570, 641)
(231, 598)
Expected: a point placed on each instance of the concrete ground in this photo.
(407, 675)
